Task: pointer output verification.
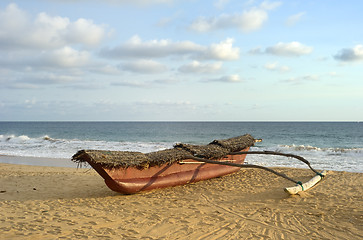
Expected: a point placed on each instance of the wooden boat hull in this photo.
(132, 180)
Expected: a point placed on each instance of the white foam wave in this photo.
(343, 159)
(339, 159)
(46, 146)
(312, 148)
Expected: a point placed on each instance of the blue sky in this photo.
(174, 60)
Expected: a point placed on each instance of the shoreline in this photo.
(37, 161)
(38, 202)
(68, 163)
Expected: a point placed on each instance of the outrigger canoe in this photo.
(131, 172)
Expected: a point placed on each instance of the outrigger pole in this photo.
(291, 190)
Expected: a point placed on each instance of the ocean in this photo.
(327, 145)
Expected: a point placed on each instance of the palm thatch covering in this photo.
(167, 156)
(210, 151)
(123, 159)
(112, 159)
(235, 144)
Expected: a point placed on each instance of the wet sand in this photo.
(67, 203)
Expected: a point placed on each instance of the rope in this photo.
(261, 167)
(280, 154)
(243, 166)
(301, 185)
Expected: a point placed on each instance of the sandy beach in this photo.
(66, 203)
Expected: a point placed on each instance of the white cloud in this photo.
(198, 67)
(350, 54)
(19, 30)
(34, 81)
(222, 51)
(247, 21)
(157, 83)
(276, 67)
(144, 66)
(51, 78)
(168, 20)
(284, 68)
(292, 20)
(167, 104)
(142, 2)
(132, 84)
(12, 18)
(85, 31)
(291, 49)
(107, 69)
(256, 51)
(302, 79)
(234, 78)
(219, 4)
(333, 74)
(67, 57)
(136, 48)
(127, 2)
(270, 5)
(20, 85)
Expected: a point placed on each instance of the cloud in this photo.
(19, 30)
(170, 105)
(66, 57)
(125, 2)
(247, 21)
(198, 67)
(107, 69)
(222, 51)
(276, 67)
(20, 85)
(219, 4)
(256, 51)
(293, 19)
(350, 54)
(292, 49)
(165, 21)
(141, 2)
(227, 79)
(85, 31)
(157, 83)
(267, 5)
(302, 79)
(132, 84)
(144, 66)
(51, 78)
(136, 48)
(39, 79)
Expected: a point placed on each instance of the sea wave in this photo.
(344, 159)
(329, 149)
(339, 159)
(45, 146)
(23, 138)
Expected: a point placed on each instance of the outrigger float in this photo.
(131, 172)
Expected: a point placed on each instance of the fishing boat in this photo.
(131, 172)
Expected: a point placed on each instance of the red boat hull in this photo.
(132, 180)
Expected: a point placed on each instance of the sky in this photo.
(181, 60)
